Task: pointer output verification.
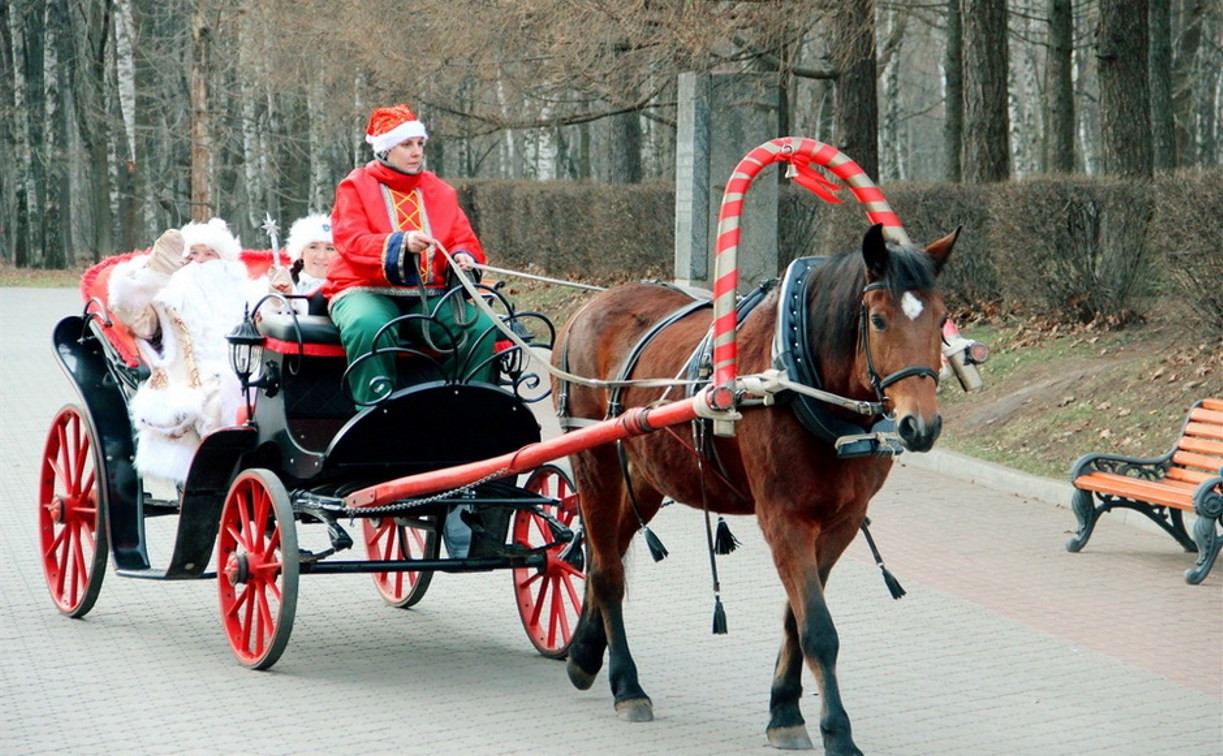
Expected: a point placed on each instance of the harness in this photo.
(874, 435)
(790, 353)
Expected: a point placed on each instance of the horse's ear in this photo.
(940, 250)
(875, 252)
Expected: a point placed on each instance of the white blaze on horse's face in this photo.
(911, 305)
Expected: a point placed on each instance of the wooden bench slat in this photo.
(1202, 446)
(1203, 461)
(1196, 477)
(1167, 493)
(1203, 430)
(1206, 415)
(1214, 404)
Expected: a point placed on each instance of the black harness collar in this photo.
(791, 345)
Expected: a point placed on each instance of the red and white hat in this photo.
(390, 126)
(306, 231)
(215, 234)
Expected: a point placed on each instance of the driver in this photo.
(390, 216)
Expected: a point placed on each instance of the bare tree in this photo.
(856, 106)
(1163, 122)
(1125, 104)
(986, 124)
(953, 78)
(1060, 86)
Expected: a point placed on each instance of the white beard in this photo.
(211, 297)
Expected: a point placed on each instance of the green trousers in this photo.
(359, 315)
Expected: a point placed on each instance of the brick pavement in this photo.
(1006, 644)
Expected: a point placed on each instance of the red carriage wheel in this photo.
(257, 568)
(72, 513)
(550, 598)
(387, 539)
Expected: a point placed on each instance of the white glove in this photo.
(167, 255)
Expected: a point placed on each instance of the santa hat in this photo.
(306, 231)
(390, 126)
(214, 234)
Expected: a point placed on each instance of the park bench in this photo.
(1189, 478)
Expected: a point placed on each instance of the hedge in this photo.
(1070, 248)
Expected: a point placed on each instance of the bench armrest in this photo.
(1133, 467)
(1208, 498)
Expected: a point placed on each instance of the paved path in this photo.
(1006, 644)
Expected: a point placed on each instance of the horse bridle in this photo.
(879, 384)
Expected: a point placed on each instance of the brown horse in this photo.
(809, 503)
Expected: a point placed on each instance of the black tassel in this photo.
(724, 542)
(657, 550)
(719, 617)
(891, 582)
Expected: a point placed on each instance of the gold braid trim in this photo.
(184, 339)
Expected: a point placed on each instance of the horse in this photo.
(873, 314)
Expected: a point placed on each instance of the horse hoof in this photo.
(791, 738)
(581, 679)
(635, 710)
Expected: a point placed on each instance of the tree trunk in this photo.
(987, 154)
(11, 138)
(1125, 103)
(1060, 87)
(58, 210)
(1185, 78)
(624, 164)
(36, 177)
(123, 107)
(953, 85)
(92, 34)
(1163, 122)
(856, 128)
(201, 147)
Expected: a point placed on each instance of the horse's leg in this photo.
(610, 526)
(588, 644)
(804, 556)
(787, 728)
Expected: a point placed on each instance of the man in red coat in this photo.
(389, 219)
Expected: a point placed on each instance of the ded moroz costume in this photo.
(180, 313)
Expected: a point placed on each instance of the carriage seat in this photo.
(313, 335)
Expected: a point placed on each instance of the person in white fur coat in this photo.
(180, 300)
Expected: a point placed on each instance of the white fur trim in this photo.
(214, 233)
(306, 231)
(402, 132)
(132, 286)
(911, 305)
(158, 456)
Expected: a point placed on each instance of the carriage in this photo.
(300, 448)
(841, 364)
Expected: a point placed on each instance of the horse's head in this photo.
(900, 333)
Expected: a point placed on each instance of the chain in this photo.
(401, 506)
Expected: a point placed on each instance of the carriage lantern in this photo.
(245, 354)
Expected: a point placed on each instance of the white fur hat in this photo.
(215, 234)
(315, 227)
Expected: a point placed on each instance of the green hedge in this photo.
(1074, 248)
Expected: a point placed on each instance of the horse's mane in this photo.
(836, 291)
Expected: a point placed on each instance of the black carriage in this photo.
(301, 448)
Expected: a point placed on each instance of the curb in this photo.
(1010, 481)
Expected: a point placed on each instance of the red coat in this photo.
(372, 245)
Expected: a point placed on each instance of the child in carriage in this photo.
(311, 248)
(179, 301)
